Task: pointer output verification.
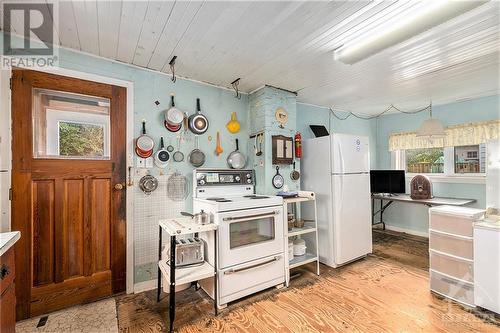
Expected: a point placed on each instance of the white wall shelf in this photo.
(303, 206)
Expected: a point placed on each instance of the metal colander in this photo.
(177, 187)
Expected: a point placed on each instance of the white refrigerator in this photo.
(337, 169)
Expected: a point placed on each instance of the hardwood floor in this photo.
(385, 292)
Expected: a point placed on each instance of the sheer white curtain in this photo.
(457, 135)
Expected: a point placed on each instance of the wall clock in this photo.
(281, 117)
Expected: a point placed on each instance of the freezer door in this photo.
(351, 217)
(350, 154)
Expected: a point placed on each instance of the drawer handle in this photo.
(4, 271)
(232, 271)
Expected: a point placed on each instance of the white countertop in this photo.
(7, 239)
(488, 224)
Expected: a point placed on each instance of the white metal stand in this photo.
(307, 203)
(181, 275)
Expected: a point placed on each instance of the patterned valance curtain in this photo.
(457, 135)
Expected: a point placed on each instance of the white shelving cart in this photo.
(303, 206)
(180, 275)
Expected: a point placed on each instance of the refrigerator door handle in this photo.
(339, 148)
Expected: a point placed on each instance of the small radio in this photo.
(421, 187)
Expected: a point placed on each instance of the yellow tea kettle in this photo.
(233, 126)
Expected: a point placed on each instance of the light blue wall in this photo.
(217, 104)
(411, 217)
(415, 217)
(475, 110)
(314, 115)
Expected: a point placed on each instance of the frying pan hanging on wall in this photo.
(198, 123)
(278, 180)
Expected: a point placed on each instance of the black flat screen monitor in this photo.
(387, 181)
(319, 130)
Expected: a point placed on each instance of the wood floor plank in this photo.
(385, 292)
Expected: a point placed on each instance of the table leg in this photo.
(171, 304)
(382, 213)
(373, 211)
(158, 291)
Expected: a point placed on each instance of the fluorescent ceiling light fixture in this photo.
(431, 128)
(382, 33)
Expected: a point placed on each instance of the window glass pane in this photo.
(80, 139)
(470, 159)
(67, 125)
(426, 160)
(251, 232)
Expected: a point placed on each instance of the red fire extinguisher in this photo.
(298, 145)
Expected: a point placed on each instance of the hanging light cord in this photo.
(391, 107)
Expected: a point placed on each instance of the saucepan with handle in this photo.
(198, 218)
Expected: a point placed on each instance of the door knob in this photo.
(119, 187)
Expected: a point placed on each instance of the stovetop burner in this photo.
(255, 196)
(219, 199)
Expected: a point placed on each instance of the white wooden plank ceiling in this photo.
(289, 45)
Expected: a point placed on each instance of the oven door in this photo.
(246, 235)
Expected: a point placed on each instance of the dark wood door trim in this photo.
(24, 167)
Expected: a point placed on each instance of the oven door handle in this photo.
(239, 270)
(250, 217)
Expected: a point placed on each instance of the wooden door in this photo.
(68, 181)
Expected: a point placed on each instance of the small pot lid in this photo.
(174, 116)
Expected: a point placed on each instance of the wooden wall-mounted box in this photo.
(282, 149)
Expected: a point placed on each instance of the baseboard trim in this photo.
(144, 286)
(406, 231)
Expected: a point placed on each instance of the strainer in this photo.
(196, 156)
(177, 187)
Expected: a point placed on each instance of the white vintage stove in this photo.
(250, 254)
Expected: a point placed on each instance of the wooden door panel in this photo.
(100, 224)
(43, 192)
(73, 228)
(72, 221)
(78, 290)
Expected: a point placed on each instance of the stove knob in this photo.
(202, 182)
(237, 178)
(249, 175)
(249, 181)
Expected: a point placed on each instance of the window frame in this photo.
(398, 162)
(54, 117)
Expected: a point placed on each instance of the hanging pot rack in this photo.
(235, 84)
(172, 68)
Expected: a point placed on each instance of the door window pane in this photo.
(470, 159)
(80, 139)
(251, 232)
(425, 160)
(73, 126)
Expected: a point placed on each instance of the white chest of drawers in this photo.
(451, 245)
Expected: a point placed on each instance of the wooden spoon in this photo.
(218, 148)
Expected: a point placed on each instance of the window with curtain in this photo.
(461, 151)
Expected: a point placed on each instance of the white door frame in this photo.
(129, 86)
